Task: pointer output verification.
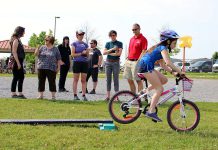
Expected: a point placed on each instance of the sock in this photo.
(84, 95)
(75, 95)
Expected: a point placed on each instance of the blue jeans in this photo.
(112, 68)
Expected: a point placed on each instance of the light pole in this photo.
(55, 25)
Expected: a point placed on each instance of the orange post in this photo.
(183, 60)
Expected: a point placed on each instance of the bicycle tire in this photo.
(196, 115)
(120, 119)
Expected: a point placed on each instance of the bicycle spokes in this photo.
(183, 117)
(124, 107)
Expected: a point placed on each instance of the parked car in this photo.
(180, 65)
(215, 66)
(201, 66)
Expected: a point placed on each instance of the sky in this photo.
(196, 18)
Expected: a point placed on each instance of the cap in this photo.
(80, 31)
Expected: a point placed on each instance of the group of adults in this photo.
(86, 61)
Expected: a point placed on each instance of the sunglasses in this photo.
(81, 34)
(91, 43)
(135, 29)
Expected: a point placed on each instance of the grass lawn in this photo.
(142, 134)
(191, 75)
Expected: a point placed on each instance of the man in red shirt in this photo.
(137, 47)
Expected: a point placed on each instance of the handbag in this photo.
(11, 62)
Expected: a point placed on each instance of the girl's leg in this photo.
(163, 79)
(153, 78)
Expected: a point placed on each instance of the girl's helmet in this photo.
(168, 34)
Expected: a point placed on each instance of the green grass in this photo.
(191, 75)
(142, 134)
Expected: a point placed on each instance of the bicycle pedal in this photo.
(154, 121)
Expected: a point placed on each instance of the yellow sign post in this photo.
(185, 41)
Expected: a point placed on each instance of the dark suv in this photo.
(201, 66)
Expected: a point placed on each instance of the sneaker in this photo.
(107, 99)
(153, 116)
(13, 96)
(84, 98)
(76, 98)
(63, 90)
(92, 92)
(21, 97)
(86, 91)
(53, 98)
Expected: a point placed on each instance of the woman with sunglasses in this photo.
(49, 61)
(160, 54)
(80, 53)
(113, 50)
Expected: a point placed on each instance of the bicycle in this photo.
(183, 115)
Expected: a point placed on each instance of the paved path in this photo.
(203, 89)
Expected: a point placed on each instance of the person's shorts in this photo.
(131, 70)
(80, 67)
(145, 66)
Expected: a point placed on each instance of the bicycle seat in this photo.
(141, 76)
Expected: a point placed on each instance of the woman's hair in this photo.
(112, 32)
(167, 43)
(51, 39)
(65, 38)
(18, 32)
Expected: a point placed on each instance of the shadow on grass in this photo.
(88, 125)
(74, 102)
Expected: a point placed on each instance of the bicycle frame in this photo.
(174, 91)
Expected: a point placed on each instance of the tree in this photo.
(90, 34)
(215, 55)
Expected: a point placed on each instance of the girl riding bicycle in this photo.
(158, 54)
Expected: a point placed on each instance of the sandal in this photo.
(40, 97)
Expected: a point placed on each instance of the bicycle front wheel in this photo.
(183, 118)
(124, 108)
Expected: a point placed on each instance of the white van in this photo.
(179, 65)
(215, 66)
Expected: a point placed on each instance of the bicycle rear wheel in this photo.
(183, 120)
(123, 108)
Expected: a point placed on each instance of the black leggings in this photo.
(94, 73)
(51, 75)
(18, 77)
(63, 75)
